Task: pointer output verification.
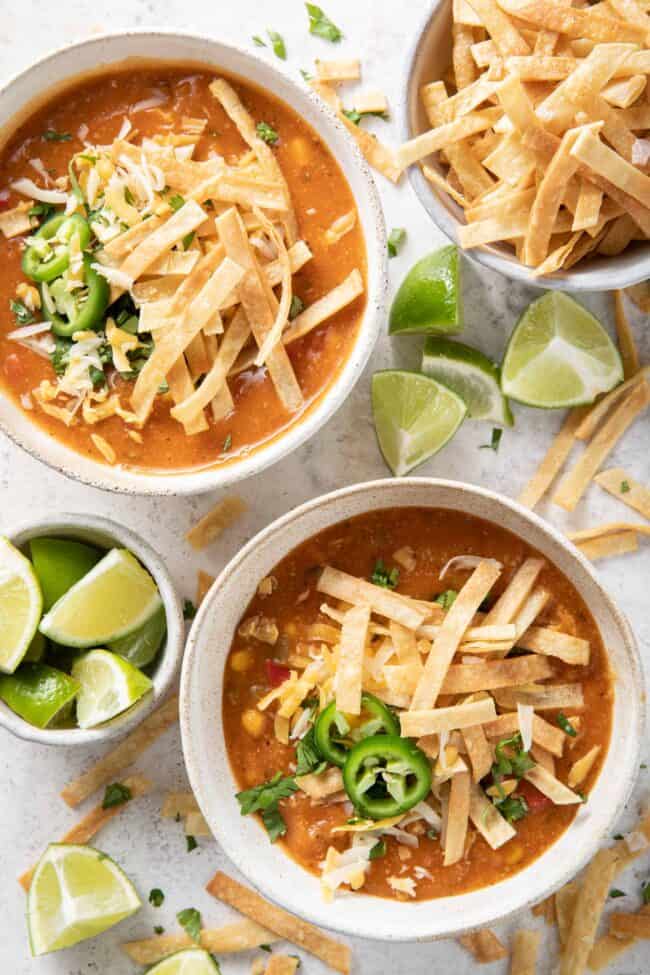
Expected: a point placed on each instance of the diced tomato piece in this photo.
(5, 196)
(276, 673)
(535, 799)
(13, 368)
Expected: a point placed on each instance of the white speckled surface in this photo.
(153, 850)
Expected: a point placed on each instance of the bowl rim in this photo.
(89, 526)
(584, 279)
(283, 443)
(195, 763)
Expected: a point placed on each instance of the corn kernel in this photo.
(29, 296)
(513, 853)
(241, 661)
(253, 722)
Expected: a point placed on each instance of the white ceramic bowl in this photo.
(267, 866)
(428, 59)
(94, 55)
(108, 534)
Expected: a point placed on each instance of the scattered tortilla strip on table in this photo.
(553, 461)
(609, 528)
(625, 336)
(545, 909)
(212, 524)
(609, 546)
(203, 583)
(376, 153)
(282, 965)
(565, 905)
(108, 768)
(525, 948)
(285, 925)
(196, 825)
(237, 936)
(593, 416)
(333, 72)
(483, 945)
(594, 890)
(178, 804)
(620, 484)
(609, 946)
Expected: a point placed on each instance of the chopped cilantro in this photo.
(41, 211)
(129, 197)
(396, 239)
(227, 444)
(321, 25)
(264, 798)
(97, 377)
(265, 948)
(446, 599)
(115, 795)
(565, 725)
(156, 897)
(21, 312)
(618, 836)
(176, 201)
(189, 609)
(615, 892)
(643, 765)
(297, 305)
(191, 843)
(59, 357)
(190, 920)
(187, 240)
(625, 487)
(306, 75)
(307, 756)
(511, 759)
(378, 850)
(381, 576)
(257, 40)
(277, 42)
(158, 929)
(432, 833)
(51, 135)
(497, 433)
(267, 133)
(645, 892)
(355, 116)
(512, 808)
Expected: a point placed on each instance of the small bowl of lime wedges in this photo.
(91, 630)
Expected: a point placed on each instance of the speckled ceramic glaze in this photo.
(267, 866)
(100, 52)
(108, 534)
(428, 60)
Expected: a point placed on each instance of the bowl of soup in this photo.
(193, 262)
(399, 713)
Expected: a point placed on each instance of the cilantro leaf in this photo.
(115, 795)
(265, 798)
(21, 312)
(189, 609)
(625, 487)
(41, 211)
(257, 40)
(615, 892)
(51, 135)
(565, 725)
(306, 74)
(396, 240)
(378, 850)
(511, 759)
(274, 823)
(191, 843)
(512, 808)
(446, 599)
(297, 305)
(277, 42)
(355, 116)
(176, 201)
(190, 920)
(381, 576)
(59, 357)
(321, 25)
(156, 897)
(267, 133)
(158, 929)
(645, 892)
(227, 444)
(497, 433)
(307, 756)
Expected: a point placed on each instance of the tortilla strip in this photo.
(610, 946)
(516, 592)
(545, 909)
(571, 649)
(463, 63)
(550, 738)
(125, 242)
(587, 210)
(596, 413)
(525, 947)
(530, 610)
(500, 28)
(506, 228)
(572, 21)
(605, 162)
(323, 308)
(582, 767)
(483, 945)
(321, 786)
(236, 936)
(565, 904)
(457, 818)
(178, 804)
(196, 825)
(434, 177)
(257, 305)
(594, 890)
(618, 482)
(333, 72)
(541, 67)
(624, 93)
(211, 525)
(375, 152)
(435, 139)
(551, 787)
(620, 543)
(451, 632)
(349, 670)
(287, 926)
(625, 336)
(358, 592)
(463, 102)
(432, 722)
(487, 819)
(479, 750)
(282, 965)
(549, 198)
(373, 101)
(552, 462)
(88, 827)
(467, 678)
(576, 481)
(108, 768)
(548, 697)
(174, 262)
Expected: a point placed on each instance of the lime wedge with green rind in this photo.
(76, 893)
(21, 604)
(471, 375)
(36, 649)
(429, 297)
(38, 693)
(189, 961)
(559, 355)
(109, 685)
(141, 646)
(415, 416)
(115, 598)
(59, 563)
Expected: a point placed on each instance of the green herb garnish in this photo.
(257, 40)
(189, 609)
(355, 117)
(176, 201)
(265, 948)
(512, 808)
(277, 42)
(227, 444)
(190, 920)
(306, 75)
(115, 795)
(265, 798)
(191, 843)
(396, 239)
(497, 433)
(565, 725)
(156, 897)
(267, 133)
(615, 892)
(307, 757)
(21, 312)
(187, 240)
(158, 929)
(511, 759)
(625, 487)
(321, 25)
(41, 211)
(381, 576)
(297, 305)
(378, 850)
(446, 599)
(129, 197)
(51, 135)
(645, 892)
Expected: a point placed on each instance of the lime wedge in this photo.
(76, 893)
(559, 355)
(38, 693)
(59, 563)
(415, 416)
(109, 685)
(141, 646)
(190, 961)
(428, 299)
(116, 597)
(21, 604)
(471, 375)
(36, 649)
